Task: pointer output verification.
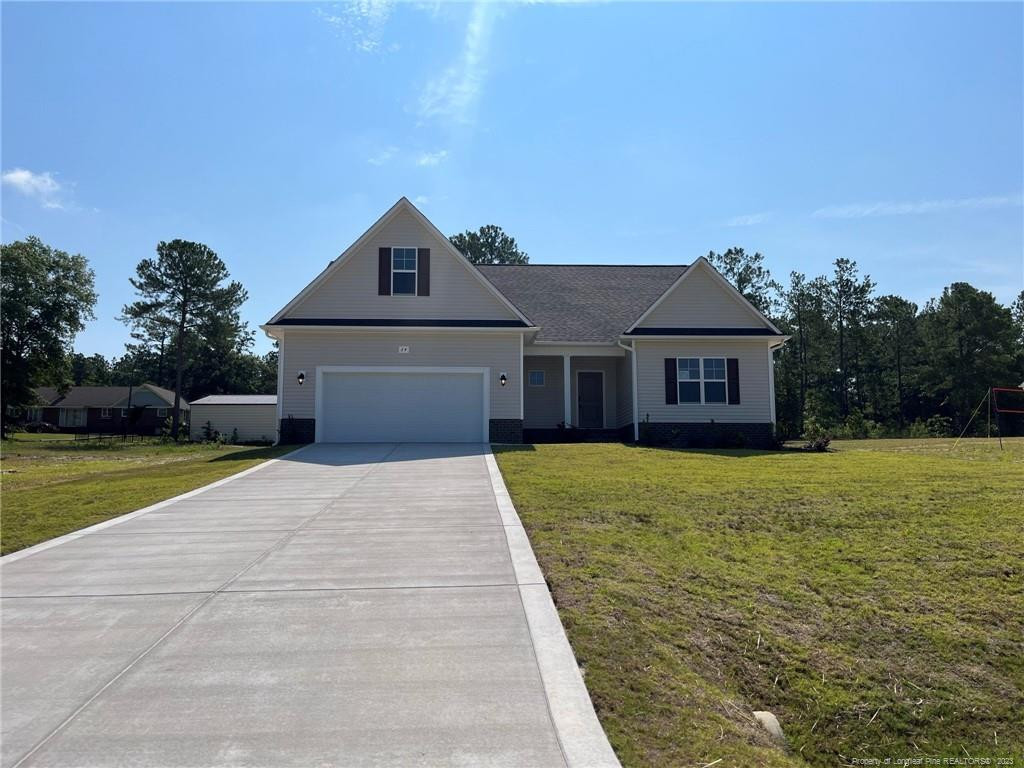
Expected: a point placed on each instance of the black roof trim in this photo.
(588, 264)
(361, 322)
(702, 332)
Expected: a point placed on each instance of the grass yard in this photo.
(871, 597)
(52, 487)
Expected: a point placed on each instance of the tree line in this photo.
(860, 363)
(186, 327)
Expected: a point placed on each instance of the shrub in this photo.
(817, 437)
(818, 444)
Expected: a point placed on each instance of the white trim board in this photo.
(318, 404)
(573, 350)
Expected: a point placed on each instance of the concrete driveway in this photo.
(357, 605)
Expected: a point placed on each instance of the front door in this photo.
(590, 399)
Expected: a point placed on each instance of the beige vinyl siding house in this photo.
(624, 394)
(697, 302)
(454, 291)
(402, 339)
(754, 368)
(543, 402)
(307, 350)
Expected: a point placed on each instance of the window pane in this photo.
(403, 283)
(403, 258)
(714, 391)
(689, 368)
(536, 378)
(714, 368)
(689, 391)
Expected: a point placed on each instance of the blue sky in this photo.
(276, 133)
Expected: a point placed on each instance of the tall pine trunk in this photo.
(180, 365)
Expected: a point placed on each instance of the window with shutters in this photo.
(403, 271)
(701, 380)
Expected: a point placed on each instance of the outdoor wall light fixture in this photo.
(503, 379)
(301, 377)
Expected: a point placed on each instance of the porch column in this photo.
(567, 387)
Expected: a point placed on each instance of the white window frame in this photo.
(105, 413)
(543, 379)
(161, 413)
(701, 379)
(124, 413)
(414, 271)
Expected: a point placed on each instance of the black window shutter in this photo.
(732, 378)
(671, 382)
(422, 271)
(384, 272)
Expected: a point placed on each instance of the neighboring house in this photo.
(402, 339)
(139, 410)
(245, 417)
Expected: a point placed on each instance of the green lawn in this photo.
(53, 487)
(871, 597)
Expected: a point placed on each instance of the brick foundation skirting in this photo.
(707, 435)
(506, 430)
(536, 435)
(297, 431)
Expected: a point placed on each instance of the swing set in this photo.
(1011, 402)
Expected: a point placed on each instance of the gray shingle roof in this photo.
(46, 395)
(582, 302)
(100, 397)
(236, 400)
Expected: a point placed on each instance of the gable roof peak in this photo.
(402, 204)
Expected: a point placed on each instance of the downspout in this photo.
(636, 416)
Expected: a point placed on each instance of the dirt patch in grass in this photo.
(870, 597)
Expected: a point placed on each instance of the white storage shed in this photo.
(253, 416)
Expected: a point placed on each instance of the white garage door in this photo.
(401, 406)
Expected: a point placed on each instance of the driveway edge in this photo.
(583, 740)
(50, 543)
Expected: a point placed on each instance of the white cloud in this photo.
(432, 158)
(890, 208)
(383, 156)
(453, 94)
(362, 22)
(38, 186)
(748, 220)
(421, 200)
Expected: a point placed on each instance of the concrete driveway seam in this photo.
(210, 596)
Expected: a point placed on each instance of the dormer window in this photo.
(403, 271)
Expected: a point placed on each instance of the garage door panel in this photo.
(375, 406)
